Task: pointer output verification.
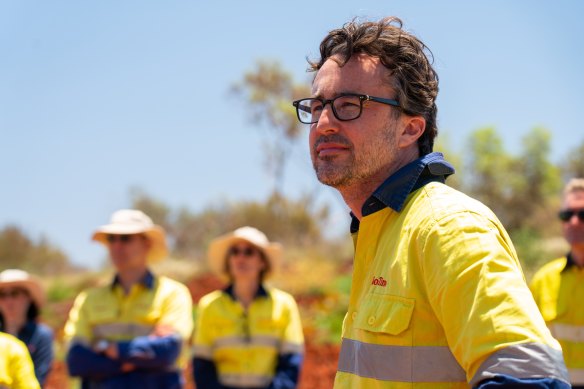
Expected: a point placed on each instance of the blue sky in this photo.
(97, 97)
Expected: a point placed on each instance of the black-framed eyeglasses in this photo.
(246, 251)
(347, 106)
(566, 214)
(13, 293)
(126, 238)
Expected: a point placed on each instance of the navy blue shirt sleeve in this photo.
(150, 352)
(82, 361)
(507, 382)
(205, 374)
(287, 372)
(42, 353)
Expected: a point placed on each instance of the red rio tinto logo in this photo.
(379, 281)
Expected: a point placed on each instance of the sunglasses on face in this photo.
(122, 238)
(567, 214)
(246, 252)
(12, 293)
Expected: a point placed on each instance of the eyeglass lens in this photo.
(567, 214)
(246, 252)
(12, 293)
(344, 108)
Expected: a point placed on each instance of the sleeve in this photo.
(44, 354)
(506, 382)
(204, 368)
(77, 327)
(287, 371)
(205, 374)
(178, 311)
(22, 367)
(150, 352)
(478, 292)
(82, 361)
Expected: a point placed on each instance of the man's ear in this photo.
(412, 129)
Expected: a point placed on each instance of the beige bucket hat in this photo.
(219, 247)
(131, 221)
(16, 278)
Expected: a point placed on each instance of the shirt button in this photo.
(371, 320)
(353, 315)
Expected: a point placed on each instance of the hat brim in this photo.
(32, 286)
(219, 247)
(158, 250)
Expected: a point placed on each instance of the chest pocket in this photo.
(385, 313)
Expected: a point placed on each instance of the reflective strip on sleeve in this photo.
(245, 380)
(527, 360)
(400, 363)
(204, 352)
(292, 348)
(121, 330)
(576, 376)
(567, 332)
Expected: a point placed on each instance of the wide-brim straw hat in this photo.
(129, 222)
(16, 278)
(219, 248)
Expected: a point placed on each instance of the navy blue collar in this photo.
(262, 292)
(147, 280)
(394, 191)
(569, 262)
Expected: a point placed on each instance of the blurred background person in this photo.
(132, 332)
(21, 299)
(16, 369)
(247, 335)
(558, 287)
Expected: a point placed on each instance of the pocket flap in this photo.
(385, 313)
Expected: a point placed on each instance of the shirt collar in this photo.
(147, 281)
(394, 191)
(569, 262)
(262, 292)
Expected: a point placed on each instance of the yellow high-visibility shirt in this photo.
(16, 368)
(244, 346)
(439, 300)
(108, 313)
(558, 289)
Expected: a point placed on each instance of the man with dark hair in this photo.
(557, 285)
(438, 296)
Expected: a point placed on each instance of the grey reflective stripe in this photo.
(245, 380)
(121, 330)
(527, 360)
(400, 363)
(567, 332)
(268, 341)
(576, 376)
(202, 351)
(292, 348)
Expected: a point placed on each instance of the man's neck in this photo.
(131, 277)
(577, 254)
(13, 326)
(245, 291)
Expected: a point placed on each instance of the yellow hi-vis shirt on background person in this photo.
(245, 346)
(438, 298)
(558, 289)
(16, 368)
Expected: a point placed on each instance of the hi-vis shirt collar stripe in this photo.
(576, 376)
(394, 363)
(568, 332)
(245, 380)
(121, 330)
(525, 360)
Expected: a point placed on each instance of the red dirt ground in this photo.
(318, 371)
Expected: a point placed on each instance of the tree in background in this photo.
(19, 251)
(573, 167)
(267, 92)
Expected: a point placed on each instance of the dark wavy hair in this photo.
(408, 59)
